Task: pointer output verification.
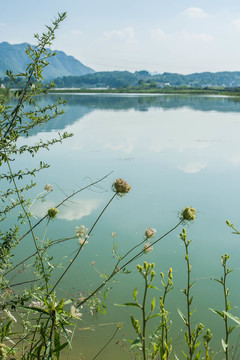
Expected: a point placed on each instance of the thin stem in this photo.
(144, 320)
(188, 300)
(226, 309)
(116, 269)
(29, 222)
(80, 248)
(66, 199)
(104, 347)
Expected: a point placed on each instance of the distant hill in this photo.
(14, 58)
(116, 79)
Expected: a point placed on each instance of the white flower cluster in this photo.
(82, 235)
(147, 248)
(75, 313)
(150, 233)
(38, 305)
(48, 187)
(10, 315)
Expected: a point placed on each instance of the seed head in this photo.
(188, 214)
(147, 248)
(150, 233)
(52, 212)
(121, 186)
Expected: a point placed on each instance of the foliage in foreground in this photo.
(35, 323)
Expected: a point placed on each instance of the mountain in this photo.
(14, 58)
(145, 80)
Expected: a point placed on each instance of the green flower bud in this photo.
(188, 214)
(121, 187)
(52, 212)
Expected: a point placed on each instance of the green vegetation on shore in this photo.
(166, 90)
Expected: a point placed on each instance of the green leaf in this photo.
(153, 287)
(32, 308)
(192, 311)
(155, 315)
(135, 294)
(57, 343)
(66, 335)
(182, 316)
(153, 304)
(129, 304)
(217, 312)
(234, 318)
(198, 355)
(224, 345)
(185, 355)
(60, 348)
(136, 342)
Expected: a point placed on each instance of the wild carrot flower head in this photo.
(82, 233)
(150, 233)
(188, 214)
(48, 187)
(147, 248)
(52, 212)
(75, 313)
(121, 187)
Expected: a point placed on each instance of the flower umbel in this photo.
(188, 214)
(82, 234)
(52, 212)
(74, 312)
(121, 187)
(150, 233)
(147, 248)
(48, 187)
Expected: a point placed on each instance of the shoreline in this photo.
(171, 91)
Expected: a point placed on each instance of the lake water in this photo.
(174, 151)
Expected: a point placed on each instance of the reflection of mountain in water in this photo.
(79, 105)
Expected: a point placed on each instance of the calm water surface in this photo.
(175, 151)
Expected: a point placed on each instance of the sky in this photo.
(180, 36)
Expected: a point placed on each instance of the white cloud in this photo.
(72, 211)
(195, 13)
(193, 167)
(76, 32)
(236, 24)
(158, 33)
(125, 34)
(180, 36)
(195, 36)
